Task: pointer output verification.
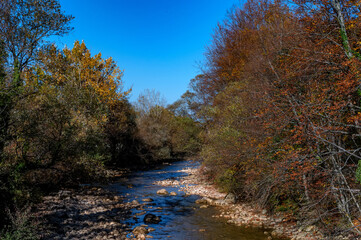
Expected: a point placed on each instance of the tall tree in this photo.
(25, 24)
(4, 101)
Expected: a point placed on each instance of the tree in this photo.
(153, 125)
(25, 24)
(73, 101)
(166, 132)
(4, 102)
(23, 27)
(102, 77)
(148, 100)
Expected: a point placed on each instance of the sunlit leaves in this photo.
(90, 72)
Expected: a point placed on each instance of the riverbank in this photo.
(89, 212)
(85, 213)
(240, 214)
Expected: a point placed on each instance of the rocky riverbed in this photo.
(240, 214)
(86, 213)
(174, 202)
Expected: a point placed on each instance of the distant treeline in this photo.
(65, 116)
(279, 99)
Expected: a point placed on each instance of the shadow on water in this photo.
(181, 217)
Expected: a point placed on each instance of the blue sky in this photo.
(157, 43)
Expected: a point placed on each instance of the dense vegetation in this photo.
(280, 98)
(65, 117)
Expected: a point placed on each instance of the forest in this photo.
(274, 115)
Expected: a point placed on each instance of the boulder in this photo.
(230, 198)
(173, 193)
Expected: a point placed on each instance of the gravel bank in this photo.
(237, 213)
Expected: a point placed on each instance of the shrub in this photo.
(22, 226)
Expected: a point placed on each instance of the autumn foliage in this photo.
(280, 101)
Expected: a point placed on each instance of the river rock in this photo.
(162, 192)
(173, 193)
(117, 198)
(141, 237)
(230, 198)
(147, 200)
(140, 213)
(202, 201)
(151, 218)
(220, 202)
(139, 230)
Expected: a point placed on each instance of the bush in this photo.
(22, 226)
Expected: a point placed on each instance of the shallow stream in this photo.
(181, 217)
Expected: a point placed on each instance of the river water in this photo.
(181, 217)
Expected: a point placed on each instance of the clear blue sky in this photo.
(157, 43)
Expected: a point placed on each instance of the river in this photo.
(181, 217)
